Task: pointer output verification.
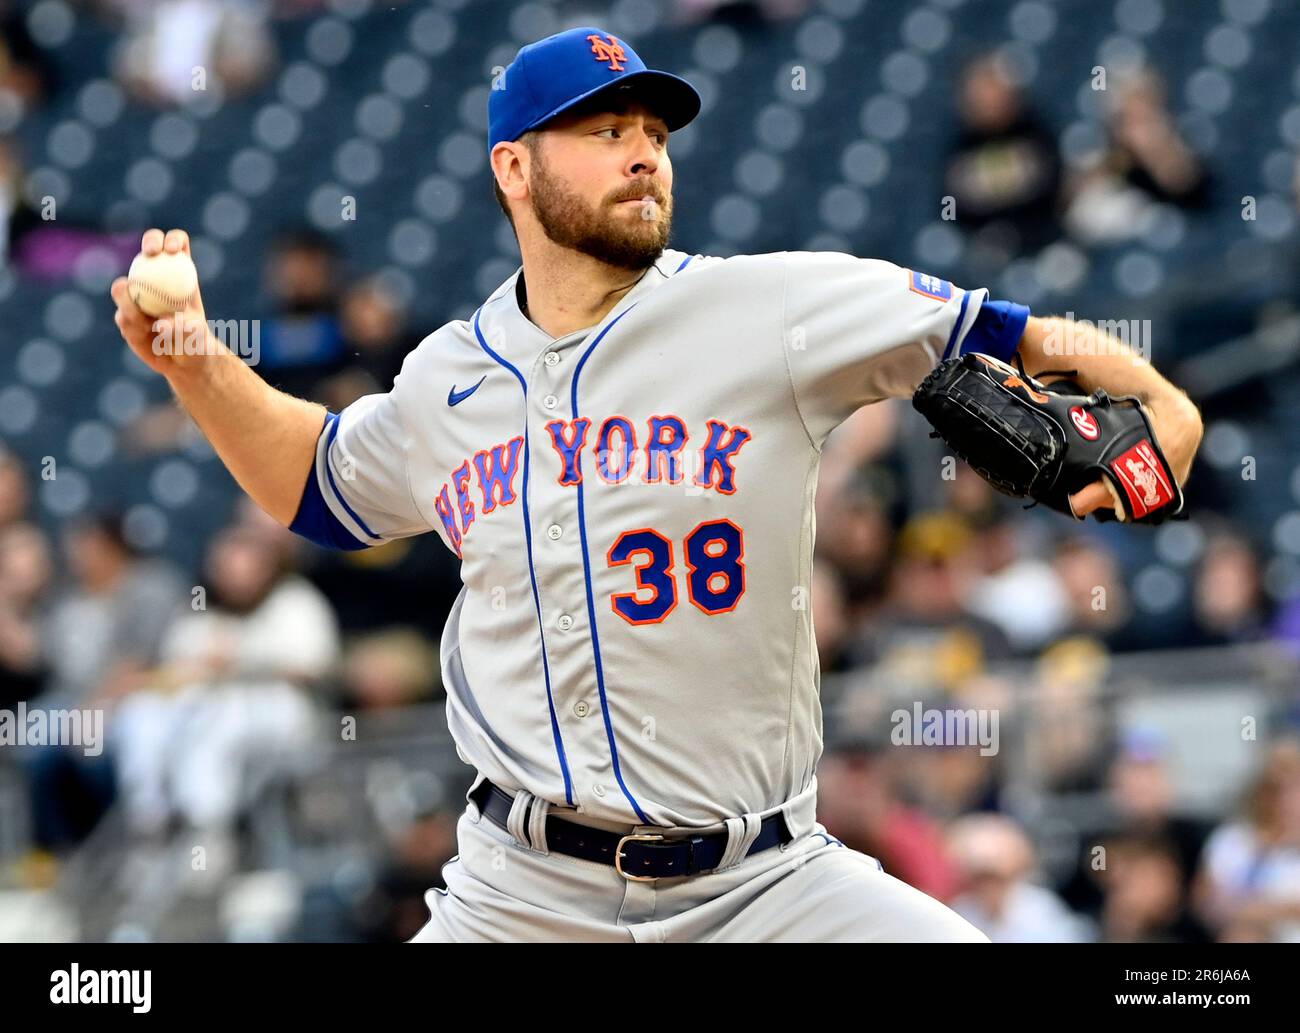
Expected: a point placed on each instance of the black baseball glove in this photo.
(1049, 441)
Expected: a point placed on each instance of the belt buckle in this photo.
(618, 856)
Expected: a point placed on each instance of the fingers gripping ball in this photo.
(1041, 441)
(162, 284)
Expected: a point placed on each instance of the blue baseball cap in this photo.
(559, 72)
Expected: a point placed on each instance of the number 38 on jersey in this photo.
(714, 579)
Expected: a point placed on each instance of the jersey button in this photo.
(565, 622)
(582, 708)
(599, 790)
(550, 401)
(552, 358)
(554, 531)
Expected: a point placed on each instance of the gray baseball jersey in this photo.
(633, 507)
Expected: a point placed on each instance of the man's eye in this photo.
(661, 137)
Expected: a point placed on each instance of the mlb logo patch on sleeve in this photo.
(930, 286)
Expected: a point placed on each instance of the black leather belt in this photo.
(639, 856)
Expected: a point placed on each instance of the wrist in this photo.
(1175, 405)
(192, 371)
(1179, 430)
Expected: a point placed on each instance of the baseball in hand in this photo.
(162, 284)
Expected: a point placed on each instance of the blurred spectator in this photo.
(172, 49)
(1003, 170)
(995, 862)
(1229, 604)
(105, 630)
(855, 536)
(26, 574)
(1147, 149)
(101, 635)
(1096, 594)
(972, 498)
(389, 669)
(1142, 796)
(418, 830)
(230, 710)
(25, 69)
(1249, 884)
(926, 633)
(1018, 591)
(376, 341)
(395, 910)
(375, 332)
(960, 776)
(1145, 162)
(282, 544)
(1139, 803)
(867, 437)
(1144, 893)
(302, 339)
(858, 802)
(1069, 714)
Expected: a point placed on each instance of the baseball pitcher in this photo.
(622, 446)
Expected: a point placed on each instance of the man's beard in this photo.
(604, 235)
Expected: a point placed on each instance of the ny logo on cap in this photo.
(611, 51)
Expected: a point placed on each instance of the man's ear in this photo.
(510, 167)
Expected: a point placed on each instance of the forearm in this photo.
(1099, 360)
(1096, 359)
(266, 438)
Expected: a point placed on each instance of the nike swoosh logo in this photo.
(455, 397)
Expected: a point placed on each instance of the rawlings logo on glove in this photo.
(1039, 441)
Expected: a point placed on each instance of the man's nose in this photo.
(645, 157)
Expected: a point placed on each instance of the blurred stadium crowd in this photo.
(1133, 161)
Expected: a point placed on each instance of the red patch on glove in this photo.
(1144, 479)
